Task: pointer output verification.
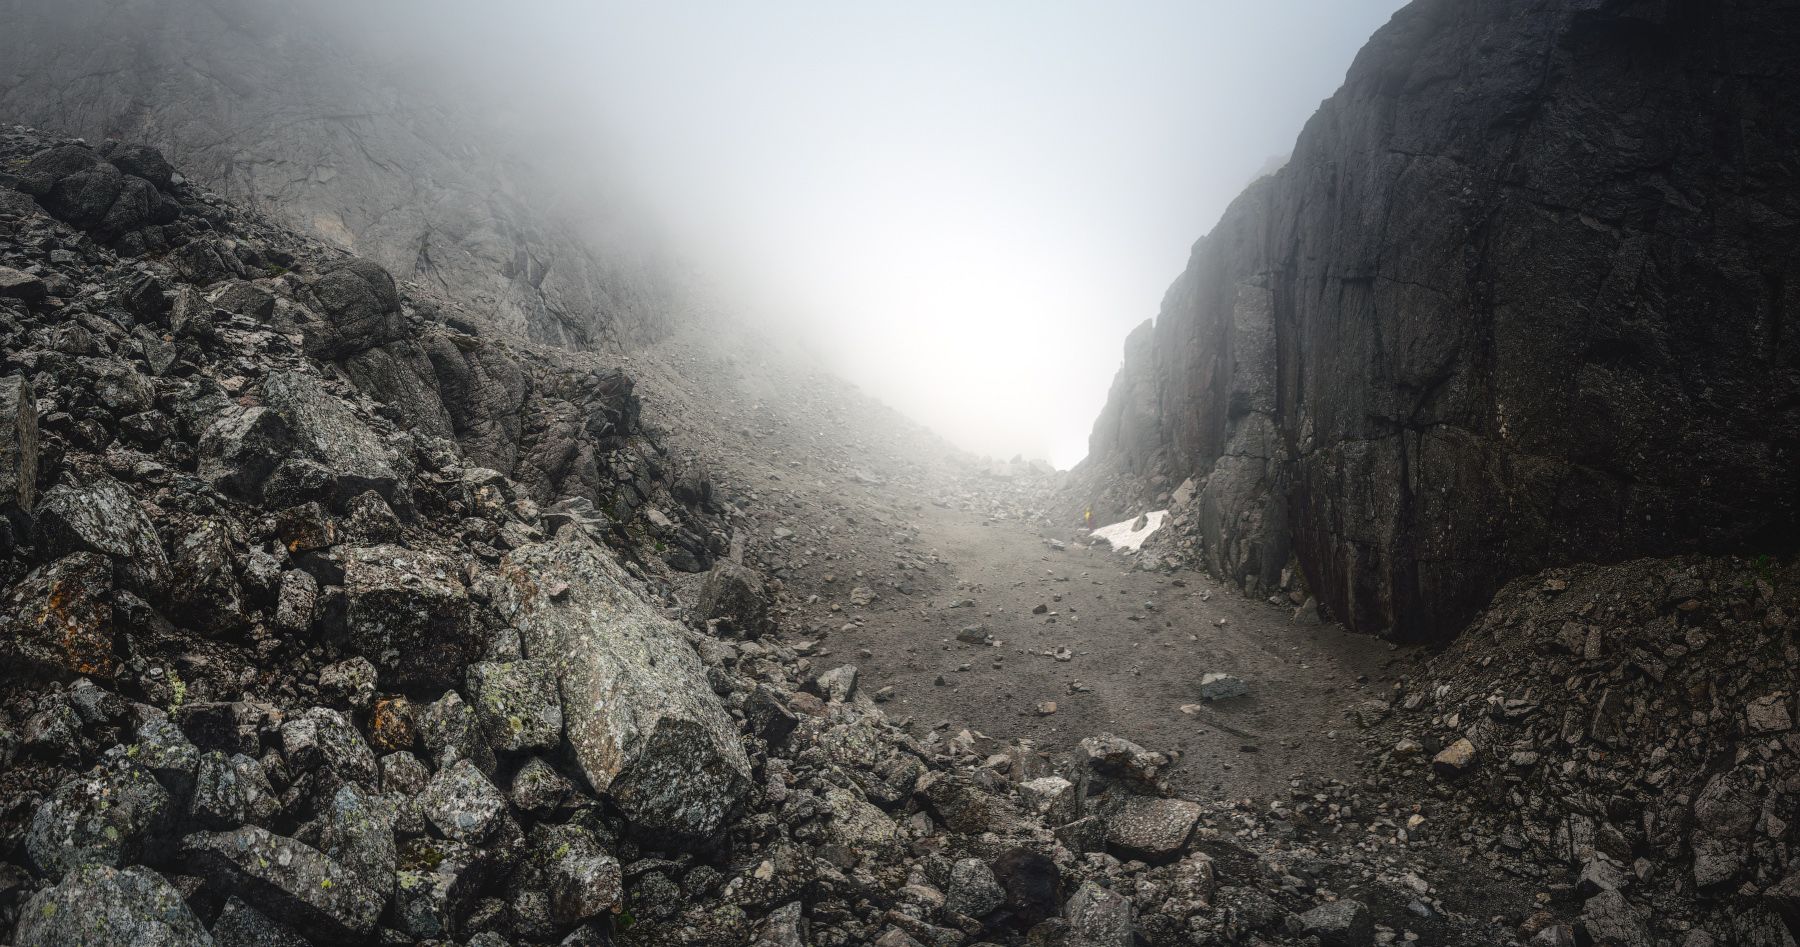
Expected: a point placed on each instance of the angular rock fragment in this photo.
(114, 816)
(327, 432)
(517, 704)
(99, 906)
(288, 880)
(18, 446)
(61, 621)
(1152, 829)
(1100, 918)
(408, 613)
(973, 890)
(1341, 923)
(643, 724)
(101, 516)
(733, 596)
(1454, 760)
(462, 804)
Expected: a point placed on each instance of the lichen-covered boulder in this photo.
(112, 816)
(102, 516)
(288, 880)
(18, 445)
(462, 804)
(638, 714)
(408, 612)
(98, 906)
(328, 432)
(60, 621)
(517, 704)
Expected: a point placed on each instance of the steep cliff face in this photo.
(1528, 293)
(263, 102)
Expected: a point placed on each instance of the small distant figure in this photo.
(1087, 520)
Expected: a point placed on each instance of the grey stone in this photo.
(1100, 917)
(1152, 829)
(733, 596)
(101, 516)
(328, 432)
(357, 831)
(349, 684)
(973, 890)
(98, 906)
(240, 925)
(322, 742)
(218, 801)
(409, 614)
(61, 621)
(18, 445)
(462, 804)
(114, 816)
(288, 880)
(639, 716)
(451, 732)
(1341, 923)
(517, 704)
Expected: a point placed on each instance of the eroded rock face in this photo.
(644, 725)
(1510, 304)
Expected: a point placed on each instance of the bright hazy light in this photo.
(964, 206)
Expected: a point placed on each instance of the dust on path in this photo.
(1140, 643)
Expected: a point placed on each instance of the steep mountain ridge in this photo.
(1524, 295)
(266, 103)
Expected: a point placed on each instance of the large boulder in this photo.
(1511, 303)
(18, 446)
(732, 595)
(113, 816)
(98, 906)
(409, 614)
(360, 306)
(328, 432)
(60, 620)
(638, 714)
(289, 881)
(101, 516)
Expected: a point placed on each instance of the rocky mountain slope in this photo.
(1524, 295)
(284, 665)
(270, 105)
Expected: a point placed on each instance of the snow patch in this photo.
(1124, 538)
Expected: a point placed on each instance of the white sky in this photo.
(965, 206)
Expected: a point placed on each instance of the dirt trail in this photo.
(1137, 645)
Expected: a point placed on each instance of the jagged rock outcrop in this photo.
(272, 105)
(1525, 294)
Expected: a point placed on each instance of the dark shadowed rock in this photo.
(361, 310)
(240, 925)
(99, 906)
(288, 880)
(18, 446)
(1412, 358)
(62, 620)
(643, 724)
(408, 613)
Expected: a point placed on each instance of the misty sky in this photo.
(965, 206)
